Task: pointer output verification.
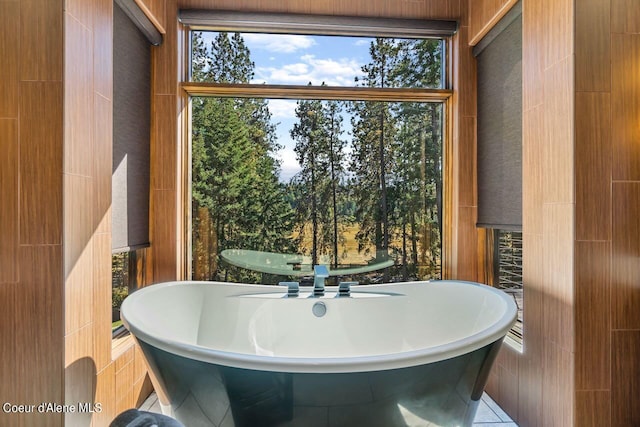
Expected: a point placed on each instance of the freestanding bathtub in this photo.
(402, 354)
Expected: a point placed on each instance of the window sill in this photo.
(121, 342)
(513, 344)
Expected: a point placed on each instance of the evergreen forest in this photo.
(361, 195)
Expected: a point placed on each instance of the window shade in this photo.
(140, 19)
(290, 23)
(131, 134)
(499, 57)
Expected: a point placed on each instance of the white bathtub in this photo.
(393, 354)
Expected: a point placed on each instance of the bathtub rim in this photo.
(389, 361)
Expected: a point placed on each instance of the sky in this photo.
(297, 60)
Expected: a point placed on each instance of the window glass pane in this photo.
(127, 275)
(353, 185)
(288, 59)
(119, 285)
(509, 272)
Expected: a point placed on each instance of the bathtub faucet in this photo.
(320, 272)
(293, 288)
(344, 288)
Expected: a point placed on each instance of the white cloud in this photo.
(282, 108)
(282, 43)
(362, 42)
(298, 68)
(333, 72)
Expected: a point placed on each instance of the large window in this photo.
(289, 59)
(317, 149)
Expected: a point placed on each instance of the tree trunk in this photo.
(213, 248)
(314, 214)
(437, 168)
(423, 197)
(201, 256)
(414, 242)
(383, 179)
(333, 195)
(404, 250)
(219, 227)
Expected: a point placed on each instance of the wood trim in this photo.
(449, 202)
(143, 7)
(184, 188)
(447, 243)
(492, 21)
(184, 161)
(316, 92)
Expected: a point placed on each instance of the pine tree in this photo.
(199, 54)
(420, 152)
(238, 201)
(310, 137)
(373, 144)
(419, 64)
(333, 123)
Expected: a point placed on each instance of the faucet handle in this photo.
(320, 271)
(293, 288)
(344, 288)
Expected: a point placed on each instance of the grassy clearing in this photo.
(348, 248)
(115, 325)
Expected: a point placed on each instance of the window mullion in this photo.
(316, 92)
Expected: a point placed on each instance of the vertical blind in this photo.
(499, 57)
(131, 134)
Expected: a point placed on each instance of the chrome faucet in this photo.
(344, 289)
(320, 272)
(293, 288)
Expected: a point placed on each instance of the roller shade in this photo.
(220, 20)
(499, 57)
(140, 20)
(131, 134)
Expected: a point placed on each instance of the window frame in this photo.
(359, 27)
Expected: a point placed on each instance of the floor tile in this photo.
(486, 415)
(497, 409)
(495, 425)
(489, 413)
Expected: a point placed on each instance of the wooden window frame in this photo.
(194, 89)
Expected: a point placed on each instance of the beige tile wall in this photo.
(536, 387)
(31, 268)
(581, 160)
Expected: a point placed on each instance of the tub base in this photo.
(445, 393)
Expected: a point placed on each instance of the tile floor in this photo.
(489, 413)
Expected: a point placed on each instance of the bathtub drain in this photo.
(319, 309)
